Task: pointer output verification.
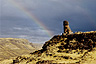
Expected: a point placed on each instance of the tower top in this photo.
(66, 22)
(67, 29)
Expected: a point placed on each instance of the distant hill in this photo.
(76, 48)
(37, 46)
(12, 47)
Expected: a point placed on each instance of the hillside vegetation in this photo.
(12, 47)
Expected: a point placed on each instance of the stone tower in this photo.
(67, 29)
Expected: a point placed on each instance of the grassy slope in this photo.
(12, 47)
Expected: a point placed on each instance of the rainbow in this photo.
(32, 16)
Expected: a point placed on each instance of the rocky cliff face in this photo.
(12, 47)
(76, 48)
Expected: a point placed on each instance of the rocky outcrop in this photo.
(76, 48)
(68, 48)
(67, 29)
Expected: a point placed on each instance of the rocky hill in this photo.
(12, 47)
(76, 48)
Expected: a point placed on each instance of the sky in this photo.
(39, 20)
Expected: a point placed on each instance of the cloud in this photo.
(17, 28)
(35, 36)
(80, 14)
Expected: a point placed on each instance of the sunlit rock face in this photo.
(67, 29)
(76, 48)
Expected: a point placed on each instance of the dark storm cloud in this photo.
(80, 14)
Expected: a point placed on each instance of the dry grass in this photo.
(12, 47)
